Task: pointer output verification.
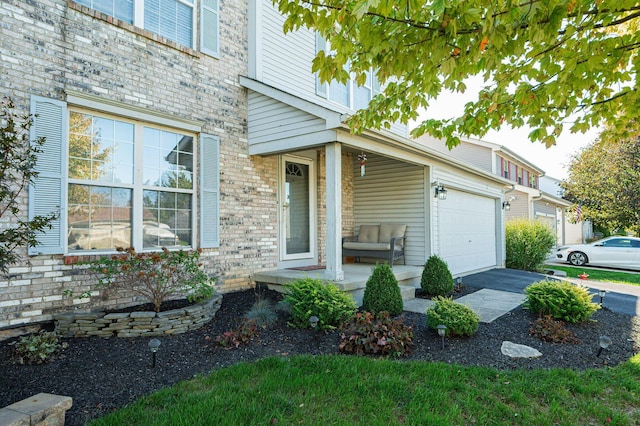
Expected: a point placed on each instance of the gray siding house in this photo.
(526, 199)
(202, 126)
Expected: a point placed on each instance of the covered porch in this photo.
(323, 194)
(354, 281)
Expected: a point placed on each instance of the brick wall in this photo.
(51, 46)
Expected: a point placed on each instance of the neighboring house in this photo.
(201, 126)
(526, 199)
(571, 229)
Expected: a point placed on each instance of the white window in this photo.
(348, 94)
(118, 197)
(124, 182)
(172, 19)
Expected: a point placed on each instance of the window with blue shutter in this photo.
(48, 190)
(209, 191)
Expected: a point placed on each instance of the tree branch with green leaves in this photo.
(550, 66)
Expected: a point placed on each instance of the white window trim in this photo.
(138, 21)
(323, 89)
(138, 186)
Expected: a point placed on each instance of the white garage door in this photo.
(467, 231)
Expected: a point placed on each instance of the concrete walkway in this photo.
(502, 290)
(488, 304)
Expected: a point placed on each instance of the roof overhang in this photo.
(382, 142)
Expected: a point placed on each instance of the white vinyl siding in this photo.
(519, 206)
(284, 61)
(270, 120)
(393, 192)
(209, 191)
(49, 188)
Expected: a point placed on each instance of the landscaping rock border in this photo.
(137, 324)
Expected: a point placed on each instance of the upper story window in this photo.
(505, 168)
(349, 94)
(532, 181)
(171, 19)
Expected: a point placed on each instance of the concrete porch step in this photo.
(354, 282)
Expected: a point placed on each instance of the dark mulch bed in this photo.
(104, 374)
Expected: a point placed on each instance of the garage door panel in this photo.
(467, 231)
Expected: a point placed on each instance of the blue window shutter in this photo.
(321, 88)
(48, 192)
(209, 27)
(209, 191)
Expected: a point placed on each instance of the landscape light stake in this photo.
(442, 330)
(154, 344)
(601, 293)
(604, 343)
(313, 321)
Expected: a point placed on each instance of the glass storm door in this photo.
(296, 202)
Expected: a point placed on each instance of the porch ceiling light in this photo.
(440, 192)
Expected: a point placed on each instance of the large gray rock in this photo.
(515, 350)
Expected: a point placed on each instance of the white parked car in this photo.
(614, 252)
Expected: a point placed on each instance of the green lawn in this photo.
(349, 390)
(597, 274)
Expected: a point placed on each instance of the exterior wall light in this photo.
(440, 192)
(506, 205)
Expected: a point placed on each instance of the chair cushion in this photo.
(353, 245)
(369, 234)
(391, 230)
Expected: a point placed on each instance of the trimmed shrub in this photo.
(382, 293)
(459, 319)
(307, 297)
(528, 243)
(436, 277)
(560, 299)
(38, 348)
(368, 334)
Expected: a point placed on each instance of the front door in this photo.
(297, 209)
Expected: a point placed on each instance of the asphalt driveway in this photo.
(619, 297)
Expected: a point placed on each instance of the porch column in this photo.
(333, 167)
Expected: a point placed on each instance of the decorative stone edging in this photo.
(136, 324)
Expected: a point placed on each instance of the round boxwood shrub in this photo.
(436, 277)
(560, 299)
(307, 297)
(459, 319)
(382, 292)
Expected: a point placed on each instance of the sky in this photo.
(554, 161)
